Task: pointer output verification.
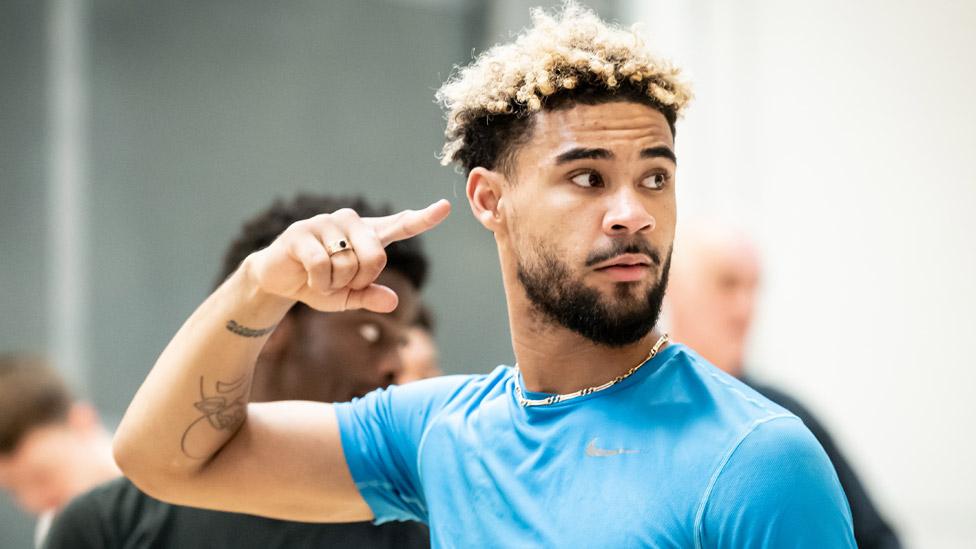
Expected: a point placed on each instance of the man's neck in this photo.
(554, 359)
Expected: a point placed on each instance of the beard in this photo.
(569, 302)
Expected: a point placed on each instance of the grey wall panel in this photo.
(22, 203)
(22, 177)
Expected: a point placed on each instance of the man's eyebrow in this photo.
(581, 153)
(659, 152)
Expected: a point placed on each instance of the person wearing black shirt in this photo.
(118, 515)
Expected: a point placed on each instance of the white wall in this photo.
(842, 134)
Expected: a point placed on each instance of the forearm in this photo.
(195, 397)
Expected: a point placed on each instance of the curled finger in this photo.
(345, 263)
(318, 267)
(369, 251)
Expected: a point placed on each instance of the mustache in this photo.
(621, 247)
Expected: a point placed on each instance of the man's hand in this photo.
(299, 267)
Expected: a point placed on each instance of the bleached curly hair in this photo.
(566, 58)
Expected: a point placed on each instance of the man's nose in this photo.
(626, 214)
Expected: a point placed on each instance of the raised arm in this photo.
(191, 437)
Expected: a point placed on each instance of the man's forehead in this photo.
(609, 125)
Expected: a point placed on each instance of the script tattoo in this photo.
(244, 331)
(224, 411)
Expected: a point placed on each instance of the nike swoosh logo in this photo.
(593, 451)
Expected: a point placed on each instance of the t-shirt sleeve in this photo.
(776, 489)
(381, 435)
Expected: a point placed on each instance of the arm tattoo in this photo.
(224, 411)
(244, 331)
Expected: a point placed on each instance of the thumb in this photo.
(374, 297)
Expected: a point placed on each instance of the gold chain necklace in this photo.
(552, 399)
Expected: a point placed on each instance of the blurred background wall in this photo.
(135, 137)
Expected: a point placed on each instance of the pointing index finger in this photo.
(409, 223)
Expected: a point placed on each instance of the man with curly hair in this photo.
(602, 434)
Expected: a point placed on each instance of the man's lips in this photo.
(625, 260)
(628, 273)
(626, 267)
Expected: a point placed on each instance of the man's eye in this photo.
(655, 181)
(587, 179)
(370, 332)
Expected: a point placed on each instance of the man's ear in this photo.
(485, 189)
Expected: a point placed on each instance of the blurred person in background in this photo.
(419, 353)
(711, 302)
(52, 447)
(325, 357)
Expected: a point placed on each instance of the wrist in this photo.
(243, 289)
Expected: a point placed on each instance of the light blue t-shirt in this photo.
(679, 454)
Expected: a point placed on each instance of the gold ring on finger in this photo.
(337, 246)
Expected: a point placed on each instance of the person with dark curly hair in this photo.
(601, 435)
(312, 356)
(346, 370)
